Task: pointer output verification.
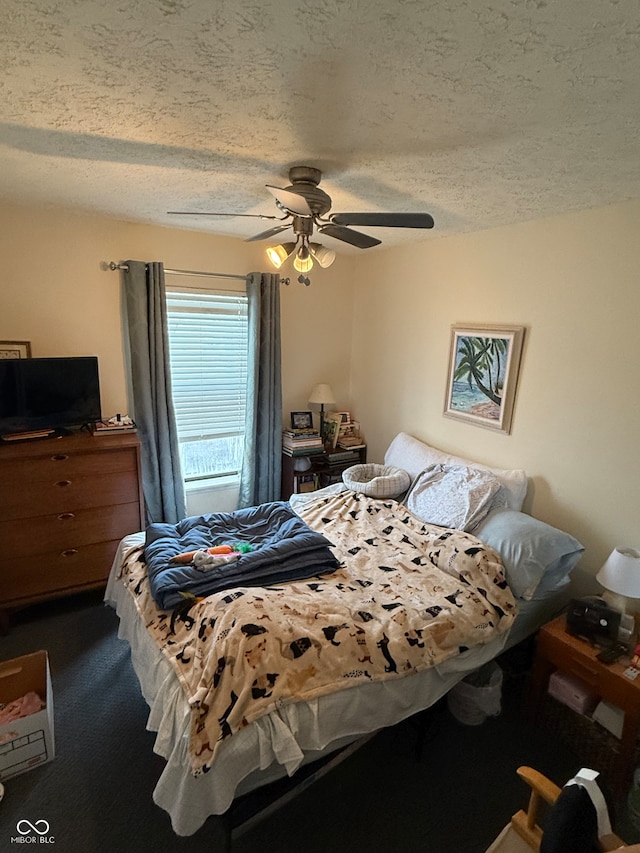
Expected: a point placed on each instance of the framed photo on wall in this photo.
(484, 362)
(15, 349)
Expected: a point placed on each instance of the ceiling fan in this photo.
(304, 207)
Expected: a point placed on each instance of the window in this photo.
(208, 353)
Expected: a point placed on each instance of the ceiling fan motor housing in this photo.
(302, 225)
(304, 182)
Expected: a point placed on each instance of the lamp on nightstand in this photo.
(620, 576)
(322, 395)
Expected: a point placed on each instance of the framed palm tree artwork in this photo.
(483, 373)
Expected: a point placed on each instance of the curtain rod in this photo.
(112, 265)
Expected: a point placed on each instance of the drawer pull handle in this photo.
(62, 483)
(70, 552)
(66, 516)
(60, 457)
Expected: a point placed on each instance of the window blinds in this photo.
(208, 354)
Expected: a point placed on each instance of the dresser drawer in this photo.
(49, 575)
(58, 464)
(65, 504)
(584, 671)
(27, 537)
(69, 493)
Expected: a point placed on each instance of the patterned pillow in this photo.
(414, 456)
(453, 496)
(376, 481)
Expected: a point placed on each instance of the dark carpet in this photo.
(427, 784)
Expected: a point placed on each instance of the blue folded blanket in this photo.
(284, 548)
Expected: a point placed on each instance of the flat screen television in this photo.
(48, 393)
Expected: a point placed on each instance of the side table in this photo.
(325, 468)
(558, 650)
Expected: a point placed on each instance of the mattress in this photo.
(279, 742)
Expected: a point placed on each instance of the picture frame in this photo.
(345, 418)
(350, 430)
(301, 420)
(484, 364)
(15, 349)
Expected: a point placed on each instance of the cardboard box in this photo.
(28, 741)
(573, 693)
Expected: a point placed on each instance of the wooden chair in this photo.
(524, 832)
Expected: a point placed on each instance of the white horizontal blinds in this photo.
(208, 352)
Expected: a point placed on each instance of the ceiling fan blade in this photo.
(207, 213)
(388, 220)
(291, 201)
(356, 238)
(264, 235)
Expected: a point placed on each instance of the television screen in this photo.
(48, 393)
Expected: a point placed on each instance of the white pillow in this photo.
(452, 496)
(414, 456)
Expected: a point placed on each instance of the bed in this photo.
(414, 603)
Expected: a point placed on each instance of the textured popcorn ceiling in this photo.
(478, 113)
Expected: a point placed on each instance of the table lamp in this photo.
(620, 576)
(322, 395)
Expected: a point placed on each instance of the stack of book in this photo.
(351, 442)
(343, 457)
(301, 442)
(349, 437)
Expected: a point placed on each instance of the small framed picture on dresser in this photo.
(15, 349)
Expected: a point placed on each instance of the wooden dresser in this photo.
(65, 503)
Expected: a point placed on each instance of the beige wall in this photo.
(317, 323)
(572, 281)
(376, 327)
(54, 293)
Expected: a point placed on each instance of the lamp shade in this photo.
(279, 254)
(322, 394)
(621, 572)
(325, 257)
(303, 264)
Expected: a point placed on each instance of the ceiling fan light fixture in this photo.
(303, 251)
(303, 264)
(279, 254)
(325, 257)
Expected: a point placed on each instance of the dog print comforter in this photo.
(407, 596)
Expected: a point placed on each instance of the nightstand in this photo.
(558, 650)
(326, 469)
